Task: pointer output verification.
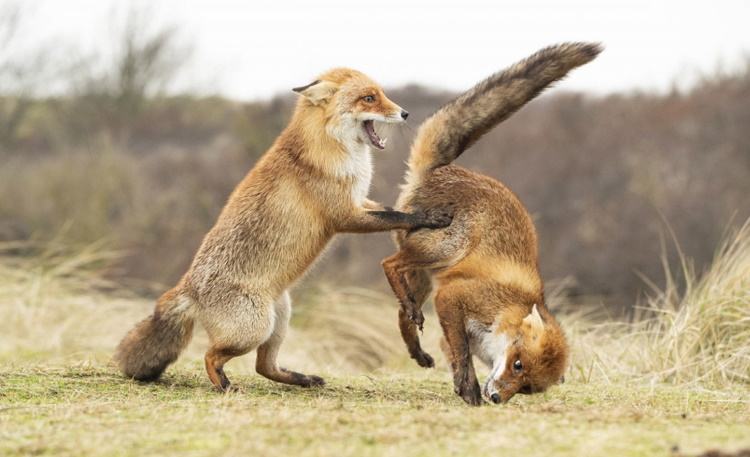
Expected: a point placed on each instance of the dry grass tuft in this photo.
(350, 330)
(52, 303)
(695, 335)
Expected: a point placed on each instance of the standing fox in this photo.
(490, 297)
(310, 185)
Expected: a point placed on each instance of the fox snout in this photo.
(505, 391)
(404, 114)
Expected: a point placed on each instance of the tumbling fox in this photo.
(310, 185)
(490, 296)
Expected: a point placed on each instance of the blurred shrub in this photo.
(116, 159)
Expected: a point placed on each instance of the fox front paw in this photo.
(466, 385)
(470, 394)
(436, 218)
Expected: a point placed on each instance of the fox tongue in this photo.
(374, 138)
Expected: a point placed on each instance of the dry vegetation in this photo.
(56, 307)
(675, 383)
(696, 336)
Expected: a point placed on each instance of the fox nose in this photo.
(404, 114)
(495, 398)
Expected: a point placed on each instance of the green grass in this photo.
(84, 410)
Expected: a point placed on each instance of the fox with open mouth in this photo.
(310, 185)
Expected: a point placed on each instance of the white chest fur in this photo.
(490, 346)
(357, 165)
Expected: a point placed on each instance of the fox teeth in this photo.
(384, 141)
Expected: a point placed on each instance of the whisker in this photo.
(405, 133)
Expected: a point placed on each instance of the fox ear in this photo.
(534, 319)
(317, 91)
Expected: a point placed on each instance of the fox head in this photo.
(351, 103)
(535, 358)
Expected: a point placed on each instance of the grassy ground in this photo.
(83, 410)
(675, 382)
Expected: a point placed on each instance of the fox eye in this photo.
(369, 98)
(517, 365)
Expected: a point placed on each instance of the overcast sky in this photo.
(253, 49)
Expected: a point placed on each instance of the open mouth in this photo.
(373, 135)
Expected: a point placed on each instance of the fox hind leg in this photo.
(266, 364)
(396, 268)
(420, 284)
(215, 360)
(423, 250)
(236, 324)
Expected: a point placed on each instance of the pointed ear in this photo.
(317, 91)
(534, 319)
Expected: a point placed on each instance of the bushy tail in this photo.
(155, 342)
(459, 124)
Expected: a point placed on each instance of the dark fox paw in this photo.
(436, 218)
(467, 386)
(415, 315)
(315, 381)
(423, 359)
(470, 394)
(303, 380)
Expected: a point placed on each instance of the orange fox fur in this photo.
(310, 185)
(490, 297)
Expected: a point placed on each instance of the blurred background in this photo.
(126, 124)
